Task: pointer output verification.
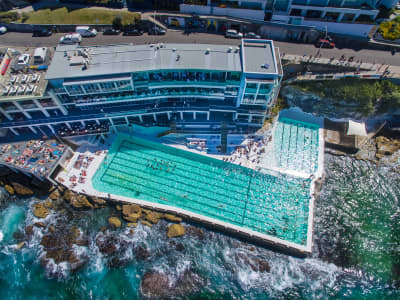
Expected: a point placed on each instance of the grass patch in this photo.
(390, 30)
(80, 16)
(372, 95)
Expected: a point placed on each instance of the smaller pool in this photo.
(296, 145)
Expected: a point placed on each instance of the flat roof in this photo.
(128, 58)
(14, 80)
(258, 56)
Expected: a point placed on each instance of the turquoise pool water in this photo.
(296, 145)
(137, 168)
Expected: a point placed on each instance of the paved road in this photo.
(15, 39)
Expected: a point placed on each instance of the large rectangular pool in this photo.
(273, 205)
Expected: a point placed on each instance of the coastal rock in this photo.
(131, 212)
(114, 222)
(172, 218)
(141, 253)
(55, 195)
(263, 266)
(195, 232)
(29, 230)
(188, 282)
(175, 230)
(178, 246)
(40, 211)
(153, 217)
(255, 263)
(146, 223)
(20, 245)
(21, 189)
(51, 228)
(154, 285)
(107, 245)
(98, 200)
(75, 262)
(386, 146)
(77, 201)
(132, 218)
(131, 224)
(118, 207)
(49, 204)
(128, 209)
(40, 224)
(9, 189)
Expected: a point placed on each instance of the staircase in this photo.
(224, 137)
(154, 21)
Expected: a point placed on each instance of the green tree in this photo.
(117, 22)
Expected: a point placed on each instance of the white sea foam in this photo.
(1, 235)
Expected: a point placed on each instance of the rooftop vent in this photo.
(265, 66)
(237, 49)
(208, 51)
(230, 49)
(173, 49)
(178, 57)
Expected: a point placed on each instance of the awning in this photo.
(356, 128)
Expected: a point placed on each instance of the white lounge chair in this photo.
(6, 89)
(21, 89)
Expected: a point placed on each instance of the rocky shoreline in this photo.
(64, 245)
(380, 150)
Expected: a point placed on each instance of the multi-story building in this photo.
(322, 14)
(190, 87)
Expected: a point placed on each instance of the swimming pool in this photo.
(276, 206)
(296, 145)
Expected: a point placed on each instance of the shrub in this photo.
(390, 30)
(25, 17)
(7, 17)
(117, 22)
(371, 95)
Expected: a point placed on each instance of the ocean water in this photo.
(356, 250)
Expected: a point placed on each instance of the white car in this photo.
(3, 29)
(232, 33)
(72, 38)
(24, 59)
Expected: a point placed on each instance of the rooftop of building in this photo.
(77, 61)
(26, 80)
(258, 56)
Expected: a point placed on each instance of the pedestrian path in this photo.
(362, 68)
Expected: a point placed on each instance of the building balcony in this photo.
(150, 96)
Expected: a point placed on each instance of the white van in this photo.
(86, 31)
(232, 33)
(72, 38)
(39, 57)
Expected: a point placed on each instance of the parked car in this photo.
(71, 38)
(24, 59)
(156, 31)
(252, 35)
(133, 32)
(323, 43)
(111, 31)
(232, 33)
(42, 32)
(3, 29)
(86, 31)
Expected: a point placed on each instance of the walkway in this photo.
(363, 67)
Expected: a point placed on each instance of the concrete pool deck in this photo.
(97, 159)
